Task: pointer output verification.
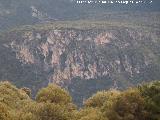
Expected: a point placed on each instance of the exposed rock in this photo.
(98, 58)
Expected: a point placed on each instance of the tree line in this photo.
(55, 103)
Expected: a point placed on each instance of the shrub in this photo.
(53, 94)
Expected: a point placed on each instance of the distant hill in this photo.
(20, 12)
(82, 56)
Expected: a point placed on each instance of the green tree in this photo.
(151, 93)
(12, 96)
(100, 98)
(51, 111)
(28, 111)
(4, 112)
(12, 100)
(128, 106)
(54, 103)
(53, 94)
(90, 114)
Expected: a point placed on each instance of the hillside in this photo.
(28, 12)
(81, 56)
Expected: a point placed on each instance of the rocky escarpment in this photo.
(85, 60)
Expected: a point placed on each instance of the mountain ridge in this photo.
(83, 60)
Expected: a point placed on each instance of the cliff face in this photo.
(85, 60)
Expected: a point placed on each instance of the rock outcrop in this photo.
(85, 60)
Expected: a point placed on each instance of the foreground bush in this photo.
(100, 98)
(53, 94)
(151, 94)
(90, 114)
(54, 103)
(4, 112)
(128, 106)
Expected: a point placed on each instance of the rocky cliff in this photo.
(81, 60)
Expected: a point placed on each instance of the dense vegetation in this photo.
(19, 12)
(54, 103)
